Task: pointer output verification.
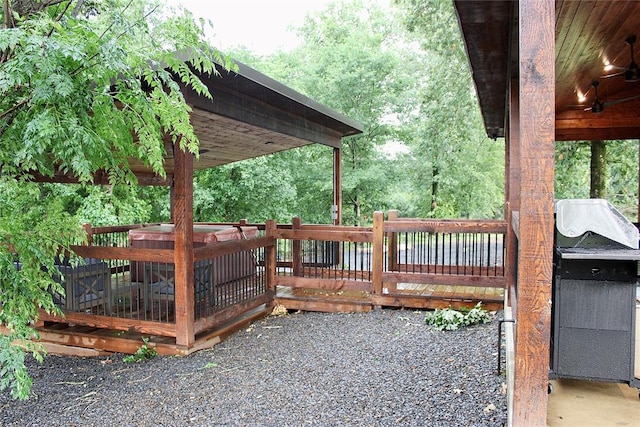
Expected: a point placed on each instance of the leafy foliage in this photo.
(37, 229)
(448, 319)
(85, 86)
(142, 354)
(572, 173)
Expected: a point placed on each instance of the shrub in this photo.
(449, 319)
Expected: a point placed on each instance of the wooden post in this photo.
(172, 201)
(337, 185)
(271, 256)
(296, 249)
(88, 229)
(512, 190)
(183, 247)
(377, 252)
(535, 245)
(392, 249)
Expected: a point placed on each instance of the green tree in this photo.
(573, 173)
(84, 86)
(255, 189)
(352, 59)
(457, 169)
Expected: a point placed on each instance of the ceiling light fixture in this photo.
(632, 74)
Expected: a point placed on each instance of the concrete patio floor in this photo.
(589, 403)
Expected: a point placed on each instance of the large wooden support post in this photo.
(535, 249)
(377, 252)
(271, 255)
(183, 249)
(336, 209)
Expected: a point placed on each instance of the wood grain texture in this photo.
(537, 112)
(378, 252)
(183, 248)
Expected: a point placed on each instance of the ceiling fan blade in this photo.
(618, 101)
(621, 73)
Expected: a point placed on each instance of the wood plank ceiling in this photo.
(589, 35)
(253, 115)
(250, 115)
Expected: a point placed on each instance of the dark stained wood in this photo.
(326, 304)
(621, 121)
(227, 247)
(392, 247)
(340, 235)
(535, 251)
(485, 24)
(183, 248)
(271, 256)
(114, 323)
(432, 303)
(328, 284)
(133, 254)
(512, 189)
(223, 330)
(446, 226)
(296, 248)
(105, 340)
(445, 279)
(442, 269)
(102, 178)
(231, 312)
(337, 184)
(587, 34)
(377, 255)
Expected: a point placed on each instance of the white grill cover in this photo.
(574, 217)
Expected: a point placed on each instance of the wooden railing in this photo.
(378, 265)
(380, 261)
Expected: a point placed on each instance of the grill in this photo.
(594, 291)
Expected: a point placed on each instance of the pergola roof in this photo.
(252, 115)
(588, 33)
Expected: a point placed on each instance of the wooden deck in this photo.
(405, 295)
(78, 340)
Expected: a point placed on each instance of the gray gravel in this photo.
(383, 368)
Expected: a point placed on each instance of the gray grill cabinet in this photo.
(593, 322)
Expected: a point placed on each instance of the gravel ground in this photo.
(383, 368)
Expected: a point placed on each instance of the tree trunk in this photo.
(598, 188)
(434, 189)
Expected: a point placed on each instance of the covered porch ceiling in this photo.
(250, 115)
(589, 34)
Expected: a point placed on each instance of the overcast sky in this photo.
(260, 25)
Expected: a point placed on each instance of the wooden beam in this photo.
(325, 284)
(102, 178)
(618, 122)
(537, 134)
(446, 226)
(259, 113)
(183, 248)
(445, 279)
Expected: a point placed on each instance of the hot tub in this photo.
(163, 237)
